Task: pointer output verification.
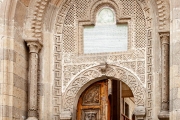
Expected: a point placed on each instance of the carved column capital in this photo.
(164, 37)
(140, 112)
(34, 45)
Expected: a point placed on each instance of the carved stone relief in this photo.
(164, 16)
(95, 72)
(134, 60)
(37, 13)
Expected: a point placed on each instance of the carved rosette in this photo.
(34, 47)
(164, 114)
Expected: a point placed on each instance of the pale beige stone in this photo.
(6, 100)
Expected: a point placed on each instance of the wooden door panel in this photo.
(93, 103)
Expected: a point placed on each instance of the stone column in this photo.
(164, 114)
(140, 112)
(34, 47)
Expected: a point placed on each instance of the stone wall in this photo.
(13, 61)
(175, 60)
(57, 67)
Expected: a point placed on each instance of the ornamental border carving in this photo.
(112, 71)
(58, 56)
(39, 18)
(38, 10)
(163, 13)
(90, 19)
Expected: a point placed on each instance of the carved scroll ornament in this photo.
(95, 72)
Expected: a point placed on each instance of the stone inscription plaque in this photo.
(105, 38)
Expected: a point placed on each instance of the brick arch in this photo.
(94, 74)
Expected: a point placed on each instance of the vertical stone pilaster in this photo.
(34, 47)
(164, 114)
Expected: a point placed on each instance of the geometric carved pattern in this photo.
(95, 72)
(139, 42)
(37, 13)
(163, 12)
(140, 26)
(128, 7)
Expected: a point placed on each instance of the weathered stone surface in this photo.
(58, 25)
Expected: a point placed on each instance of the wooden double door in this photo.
(93, 104)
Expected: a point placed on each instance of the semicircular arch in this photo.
(96, 73)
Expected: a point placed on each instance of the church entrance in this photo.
(106, 100)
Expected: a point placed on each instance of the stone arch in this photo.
(94, 8)
(40, 5)
(33, 27)
(98, 73)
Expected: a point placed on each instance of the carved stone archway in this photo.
(97, 73)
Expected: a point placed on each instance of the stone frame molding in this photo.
(100, 72)
(90, 19)
(39, 6)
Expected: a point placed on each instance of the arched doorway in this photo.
(97, 73)
(106, 100)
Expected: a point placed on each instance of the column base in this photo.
(164, 115)
(140, 112)
(65, 115)
(31, 118)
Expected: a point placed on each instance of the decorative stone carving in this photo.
(103, 67)
(34, 47)
(95, 72)
(37, 13)
(79, 10)
(140, 112)
(163, 13)
(164, 114)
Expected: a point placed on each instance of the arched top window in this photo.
(106, 36)
(106, 15)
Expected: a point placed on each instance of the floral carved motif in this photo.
(95, 72)
(135, 61)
